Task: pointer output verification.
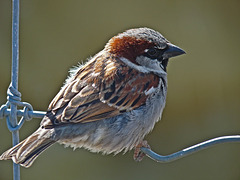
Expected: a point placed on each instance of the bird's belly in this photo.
(116, 134)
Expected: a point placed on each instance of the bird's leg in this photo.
(138, 154)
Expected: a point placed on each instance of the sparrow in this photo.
(109, 103)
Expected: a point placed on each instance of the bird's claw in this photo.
(138, 154)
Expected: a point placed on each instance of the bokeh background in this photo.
(204, 85)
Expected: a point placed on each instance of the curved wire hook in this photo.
(190, 150)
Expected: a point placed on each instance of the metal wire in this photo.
(191, 149)
(10, 111)
(14, 96)
(15, 66)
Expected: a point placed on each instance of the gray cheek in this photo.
(154, 64)
(149, 63)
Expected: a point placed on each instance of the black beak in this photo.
(172, 51)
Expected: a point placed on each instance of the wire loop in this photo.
(3, 109)
(14, 97)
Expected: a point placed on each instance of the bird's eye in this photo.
(152, 53)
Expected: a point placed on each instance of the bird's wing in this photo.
(99, 90)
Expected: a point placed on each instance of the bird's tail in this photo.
(25, 152)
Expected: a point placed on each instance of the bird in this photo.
(109, 103)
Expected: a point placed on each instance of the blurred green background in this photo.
(204, 85)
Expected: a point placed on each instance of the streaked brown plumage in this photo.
(109, 75)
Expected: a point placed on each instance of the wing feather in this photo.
(100, 90)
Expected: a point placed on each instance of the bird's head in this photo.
(143, 48)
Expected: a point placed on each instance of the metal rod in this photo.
(191, 149)
(14, 78)
(20, 113)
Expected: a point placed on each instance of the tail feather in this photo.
(7, 155)
(29, 149)
(27, 162)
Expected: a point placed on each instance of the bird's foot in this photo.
(138, 154)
